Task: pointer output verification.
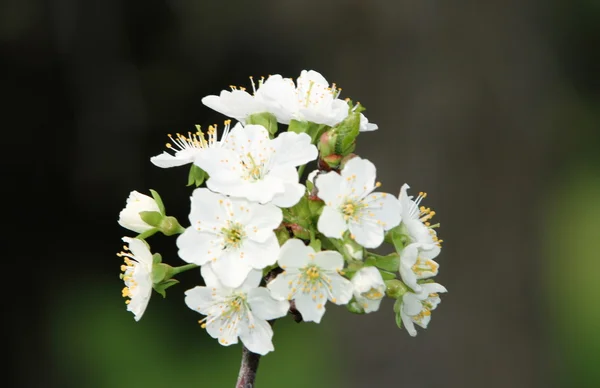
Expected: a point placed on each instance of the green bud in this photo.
(196, 176)
(326, 143)
(395, 288)
(332, 161)
(152, 218)
(170, 226)
(266, 119)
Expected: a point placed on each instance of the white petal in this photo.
(140, 251)
(367, 234)
(331, 222)
(365, 126)
(208, 210)
(252, 280)
(430, 288)
(411, 304)
(329, 260)
(258, 337)
(408, 324)
(311, 310)
(166, 160)
(384, 208)
(369, 305)
(279, 95)
(231, 269)
(408, 276)
(196, 247)
(199, 299)
(260, 255)
(264, 306)
(294, 254)
(329, 187)
(341, 289)
(293, 149)
(263, 219)
(226, 335)
(237, 104)
(210, 278)
(361, 174)
(280, 288)
(290, 196)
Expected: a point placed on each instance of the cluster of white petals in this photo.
(350, 204)
(417, 307)
(311, 98)
(129, 217)
(233, 236)
(137, 275)
(237, 312)
(250, 165)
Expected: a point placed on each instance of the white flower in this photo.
(416, 262)
(416, 218)
(365, 126)
(251, 165)
(416, 308)
(137, 275)
(236, 103)
(237, 312)
(369, 288)
(187, 147)
(129, 217)
(233, 235)
(310, 279)
(351, 205)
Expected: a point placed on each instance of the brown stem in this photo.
(248, 369)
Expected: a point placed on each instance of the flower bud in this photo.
(327, 143)
(330, 162)
(369, 288)
(130, 218)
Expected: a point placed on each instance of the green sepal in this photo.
(315, 207)
(299, 231)
(399, 238)
(170, 226)
(156, 258)
(161, 287)
(347, 131)
(386, 275)
(314, 130)
(394, 288)
(282, 234)
(266, 119)
(397, 311)
(159, 202)
(160, 272)
(316, 245)
(390, 262)
(333, 160)
(152, 218)
(196, 176)
(299, 214)
(298, 126)
(354, 307)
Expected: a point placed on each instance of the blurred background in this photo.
(491, 107)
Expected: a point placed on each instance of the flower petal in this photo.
(196, 247)
(329, 187)
(294, 254)
(329, 260)
(264, 306)
(311, 310)
(257, 337)
(331, 222)
(231, 269)
(199, 299)
(293, 149)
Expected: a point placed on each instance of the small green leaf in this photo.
(385, 275)
(152, 218)
(159, 272)
(161, 287)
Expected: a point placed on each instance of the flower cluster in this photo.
(270, 242)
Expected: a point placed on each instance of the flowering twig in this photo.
(248, 369)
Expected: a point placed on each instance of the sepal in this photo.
(266, 119)
(196, 176)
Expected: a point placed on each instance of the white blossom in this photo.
(187, 147)
(416, 263)
(237, 104)
(416, 218)
(350, 204)
(251, 165)
(310, 279)
(129, 217)
(241, 312)
(417, 307)
(369, 288)
(137, 275)
(233, 236)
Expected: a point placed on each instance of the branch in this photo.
(248, 369)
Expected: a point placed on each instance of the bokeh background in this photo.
(491, 107)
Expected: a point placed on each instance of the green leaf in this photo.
(390, 262)
(266, 119)
(347, 131)
(159, 202)
(196, 176)
(385, 275)
(298, 126)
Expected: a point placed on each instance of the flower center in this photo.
(351, 209)
(126, 276)
(234, 235)
(373, 294)
(254, 170)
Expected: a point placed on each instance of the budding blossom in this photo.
(137, 275)
(369, 288)
(250, 165)
(417, 308)
(233, 236)
(129, 217)
(350, 204)
(241, 312)
(187, 148)
(310, 279)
